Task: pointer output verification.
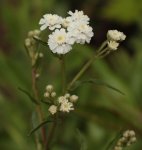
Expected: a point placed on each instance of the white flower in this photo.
(52, 109)
(66, 22)
(79, 16)
(51, 21)
(115, 35)
(66, 106)
(62, 99)
(81, 32)
(60, 41)
(112, 45)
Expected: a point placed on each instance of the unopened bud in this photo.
(46, 94)
(53, 94)
(73, 98)
(30, 34)
(49, 88)
(27, 42)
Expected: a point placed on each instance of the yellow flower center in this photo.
(60, 39)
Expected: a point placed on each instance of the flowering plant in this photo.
(64, 33)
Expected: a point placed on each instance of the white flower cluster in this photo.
(67, 31)
(63, 103)
(114, 37)
(127, 139)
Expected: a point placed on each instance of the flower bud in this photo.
(46, 94)
(49, 88)
(73, 98)
(53, 94)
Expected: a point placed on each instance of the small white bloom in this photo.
(73, 98)
(62, 99)
(60, 41)
(79, 16)
(51, 21)
(52, 109)
(81, 32)
(66, 22)
(66, 106)
(115, 35)
(112, 45)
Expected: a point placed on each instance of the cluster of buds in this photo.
(126, 140)
(113, 38)
(63, 103)
(31, 45)
(49, 93)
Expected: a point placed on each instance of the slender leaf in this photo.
(96, 82)
(114, 140)
(29, 95)
(82, 140)
(40, 41)
(39, 126)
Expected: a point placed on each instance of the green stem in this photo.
(62, 60)
(99, 52)
(38, 107)
(51, 133)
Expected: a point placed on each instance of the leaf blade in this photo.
(97, 82)
(29, 95)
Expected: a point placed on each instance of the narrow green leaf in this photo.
(39, 126)
(96, 82)
(40, 41)
(82, 140)
(45, 102)
(114, 140)
(29, 95)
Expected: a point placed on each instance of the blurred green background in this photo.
(101, 112)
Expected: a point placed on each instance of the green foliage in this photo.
(100, 113)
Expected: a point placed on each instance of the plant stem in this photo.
(63, 81)
(51, 134)
(62, 60)
(99, 52)
(38, 107)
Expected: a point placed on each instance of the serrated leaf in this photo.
(96, 82)
(39, 126)
(29, 95)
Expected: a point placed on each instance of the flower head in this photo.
(81, 32)
(112, 45)
(62, 99)
(52, 109)
(78, 15)
(51, 21)
(66, 106)
(115, 35)
(60, 41)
